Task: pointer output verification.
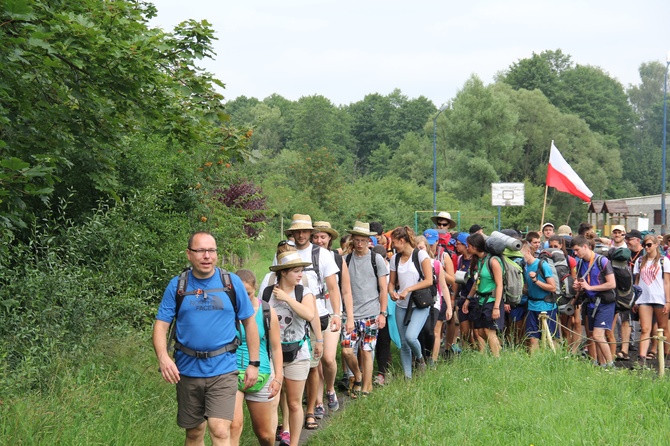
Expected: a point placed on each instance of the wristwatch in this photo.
(255, 363)
(384, 313)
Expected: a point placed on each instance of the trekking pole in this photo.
(661, 352)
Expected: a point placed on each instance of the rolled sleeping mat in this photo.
(509, 242)
(461, 277)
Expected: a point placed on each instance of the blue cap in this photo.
(463, 238)
(431, 235)
(374, 241)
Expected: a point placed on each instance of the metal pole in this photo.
(435, 163)
(443, 108)
(665, 122)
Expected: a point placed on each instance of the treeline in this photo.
(372, 159)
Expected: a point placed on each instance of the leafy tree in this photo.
(79, 79)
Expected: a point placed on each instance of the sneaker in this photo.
(333, 404)
(319, 411)
(380, 380)
(280, 429)
(343, 384)
(285, 439)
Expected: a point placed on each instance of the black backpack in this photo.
(625, 295)
(182, 284)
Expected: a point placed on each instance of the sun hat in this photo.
(324, 226)
(444, 216)
(564, 230)
(431, 236)
(621, 228)
(299, 222)
(361, 228)
(288, 260)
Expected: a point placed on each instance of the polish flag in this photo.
(561, 176)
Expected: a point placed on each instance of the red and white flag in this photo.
(561, 176)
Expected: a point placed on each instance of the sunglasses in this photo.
(442, 224)
(285, 242)
(648, 245)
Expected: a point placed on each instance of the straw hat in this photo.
(288, 260)
(361, 228)
(324, 226)
(299, 222)
(444, 216)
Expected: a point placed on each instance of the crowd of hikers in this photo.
(432, 295)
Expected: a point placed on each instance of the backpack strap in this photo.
(417, 264)
(267, 323)
(315, 267)
(338, 261)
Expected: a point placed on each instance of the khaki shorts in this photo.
(202, 398)
(297, 370)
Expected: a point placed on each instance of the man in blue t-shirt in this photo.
(540, 284)
(205, 368)
(595, 281)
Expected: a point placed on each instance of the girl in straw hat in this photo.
(293, 314)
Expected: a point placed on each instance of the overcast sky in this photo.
(346, 49)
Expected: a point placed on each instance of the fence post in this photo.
(661, 352)
(546, 334)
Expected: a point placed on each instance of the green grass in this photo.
(546, 399)
(117, 397)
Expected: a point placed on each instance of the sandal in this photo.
(622, 356)
(651, 355)
(355, 389)
(311, 425)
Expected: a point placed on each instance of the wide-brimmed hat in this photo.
(288, 260)
(324, 226)
(361, 228)
(300, 222)
(444, 216)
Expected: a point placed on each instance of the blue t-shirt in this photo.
(596, 276)
(536, 294)
(206, 323)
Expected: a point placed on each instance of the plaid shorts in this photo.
(365, 329)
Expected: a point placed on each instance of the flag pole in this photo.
(544, 206)
(546, 188)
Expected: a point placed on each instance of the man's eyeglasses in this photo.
(648, 245)
(441, 224)
(285, 242)
(201, 252)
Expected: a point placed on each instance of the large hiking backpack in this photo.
(443, 240)
(560, 269)
(625, 295)
(182, 283)
(512, 274)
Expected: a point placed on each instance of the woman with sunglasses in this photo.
(293, 312)
(652, 275)
(403, 280)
